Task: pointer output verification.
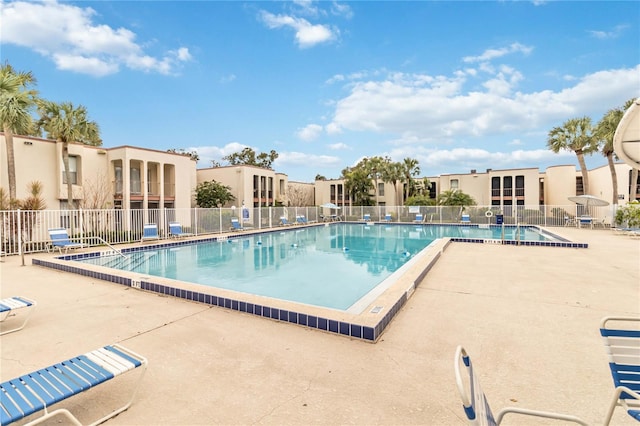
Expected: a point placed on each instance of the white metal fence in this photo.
(26, 231)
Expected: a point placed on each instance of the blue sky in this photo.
(455, 85)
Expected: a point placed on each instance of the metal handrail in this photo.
(102, 240)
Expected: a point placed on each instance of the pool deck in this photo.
(528, 317)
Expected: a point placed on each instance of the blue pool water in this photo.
(329, 266)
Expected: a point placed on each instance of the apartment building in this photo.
(123, 177)
(250, 185)
(128, 177)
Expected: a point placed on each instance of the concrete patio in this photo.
(528, 316)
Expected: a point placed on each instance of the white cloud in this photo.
(615, 33)
(338, 146)
(436, 109)
(341, 10)
(310, 132)
(306, 34)
(69, 36)
(490, 54)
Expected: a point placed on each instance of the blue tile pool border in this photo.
(349, 329)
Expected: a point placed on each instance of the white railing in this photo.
(26, 231)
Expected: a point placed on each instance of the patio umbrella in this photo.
(330, 206)
(588, 200)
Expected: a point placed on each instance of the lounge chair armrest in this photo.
(615, 401)
(536, 413)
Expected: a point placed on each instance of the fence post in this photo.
(81, 225)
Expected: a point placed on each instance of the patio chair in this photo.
(366, 217)
(387, 217)
(284, 221)
(302, 220)
(150, 232)
(622, 341)
(175, 229)
(38, 391)
(465, 219)
(60, 240)
(11, 306)
(476, 406)
(585, 221)
(419, 218)
(237, 226)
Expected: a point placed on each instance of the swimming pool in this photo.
(398, 255)
(328, 266)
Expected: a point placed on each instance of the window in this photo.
(507, 183)
(136, 183)
(495, 186)
(520, 186)
(454, 183)
(73, 170)
(579, 186)
(381, 189)
(117, 171)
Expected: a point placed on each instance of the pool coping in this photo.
(367, 326)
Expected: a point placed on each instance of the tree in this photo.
(604, 132)
(16, 101)
(320, 177)
(357, 183)
(375, 167)
(299, 195)
(191, 154)
(411, 169)
(248, 157)
(66, 124)
(394, 173)
(574, 135)
(455, 197)
(212, 194)
(419, 200)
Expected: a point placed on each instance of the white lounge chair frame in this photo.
(60, 240)
(37, 391)
(150, 232)
(10, 307)
(175, 230)
(476, 406)
(623, 350)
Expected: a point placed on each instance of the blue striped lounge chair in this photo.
(11, 306)
(36, 392)
(622, 342)
(284, 221)
(237, 226)
(366, 217)
(387, 217)
(60, 240)
(475, 404)
(465, 219)
(175, 230)
(419, 218)
(150, 232)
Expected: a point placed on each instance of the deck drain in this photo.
(376, 309)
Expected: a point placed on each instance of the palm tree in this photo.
(604, 132)
(394, 173)
(16, 99)
(574, 135)
(411, 169)
(65, 124)
(375, 167)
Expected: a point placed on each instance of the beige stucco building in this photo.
(250, 185)
(123, 177)
(128, 177)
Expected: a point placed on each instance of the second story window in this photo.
(454, 184)
(381, 189)
(73, 170)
